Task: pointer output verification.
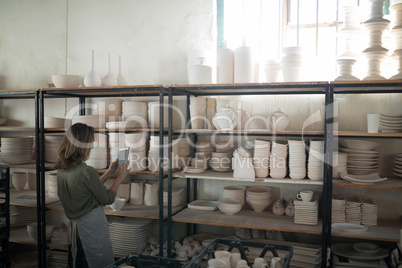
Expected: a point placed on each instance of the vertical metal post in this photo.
(82, 105)
(170, 145)
(161, 175)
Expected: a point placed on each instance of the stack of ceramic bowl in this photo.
(224, 147)
(339, 161)
(98, 158)
(234, 191)
(315, 166)
(261, 158)
(54, 122)
(52, 184)
(16, 150)
(154, 109)
(137, 142)
(96, 121)
(154, 157)
(297, 160)
(177, 197)
(136, 114)
(291, 64)
(278, 160)
(52, 143)
(118, 125)
(259, 197)
(116, 141)
(184, 151)
(390, 123)
(221, 162)
(362, 159)
(110, 109)
(21, 216)
(398, 165)
(229, 206)
(272, 70)
(197, 112)
(204, 147)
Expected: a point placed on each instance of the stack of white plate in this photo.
(116, 141)
(338, 209)
(315, 166)
(52, 142)
(16, 150)
(154, 114)
(259, 197)
(306, 212)
(21, 216)
(362, 159)
(136, 114)
(369, 211)
(197, 112)
(129, 235)
(261, 158)
(389, 123)
(27, 259)
(54, 122)
(96, 121)
(98, 158)
(178, 197)
(278, 160)
(138, 150)
(52, 184)
(297, 160)
(353, 210)
(110, 109)
(339, 161)
(398, 165)
(57, 259)
(221, 162)
(234, 191)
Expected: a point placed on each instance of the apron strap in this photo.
(72, 239)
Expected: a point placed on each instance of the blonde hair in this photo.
(75, 146)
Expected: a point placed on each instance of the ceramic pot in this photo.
(290, 209)
(225, 119)
(276, 262)
(279, 121)
(19, 180)
(278, 208)
(151, 194)
(137, 193)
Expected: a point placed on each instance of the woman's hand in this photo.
(122, 171)
(112, 168)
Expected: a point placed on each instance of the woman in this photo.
(82, 195)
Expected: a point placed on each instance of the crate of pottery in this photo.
(140, 261)
(220, 251)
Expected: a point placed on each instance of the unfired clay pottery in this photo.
(151, 194)
(121, 81)
(290, 209)
(110, 79)
(278, 208)
(225, 119)
(92, 79)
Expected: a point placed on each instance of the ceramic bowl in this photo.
(2, 121)
(366, 248)
(118, 204)
(258, 205)
(64, 80)
(359, 144)
(19, 180)
(229, 206)
(32, 230)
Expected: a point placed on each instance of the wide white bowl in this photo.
(118, 204)
(229, 206)
(65, 80)
(258, 205)
(366, 248)
(19, 180)
(359, 144)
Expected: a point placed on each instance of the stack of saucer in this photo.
(362, 158)
(315, 166)
(137, 142)
(110, 109)
(369, 211)
(353, 210)
(178, 197)
(390, 123)
(135, 114)
(278, 160)
(338, 209)
(98, 156)
(16, 150)
(297, 160)
(21, 216)
(261, 158)
(221, 162)
(339, 161)
(116, 142)
(398, 165)
(306, 212)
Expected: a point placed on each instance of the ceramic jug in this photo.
(290, 209)
(151, 194)
(137, 193)
(278, 208)
(225, 119)
(279, 121)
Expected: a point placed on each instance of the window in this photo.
(269, 25)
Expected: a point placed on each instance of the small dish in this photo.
(366, 248)
(349, 228)
(194, 170)
(205, 205)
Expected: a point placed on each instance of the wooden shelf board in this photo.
(367, 135)
(386, 230)
(389, 184)
(141, 211)
(11, 128)
(228, 176)
(246, 219)
(20, 235)
(27, 198)
(134, 90)
(31, 165)
(249, 132)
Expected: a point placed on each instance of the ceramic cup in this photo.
(260, 263)
(305, 196)
(216, 263)
(373, 123)
(276, 262)
(31, 181)
(19, 180)
(241, 263)
(235, 257)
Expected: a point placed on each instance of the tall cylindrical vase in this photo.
(224, 65)
(243, 64)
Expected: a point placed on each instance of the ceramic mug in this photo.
(216, 263)
(306, 196)
(276, 262)
(260, 263)
(234, 258)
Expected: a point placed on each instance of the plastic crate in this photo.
(142, 261)
(208, 252)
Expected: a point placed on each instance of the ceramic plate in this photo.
(350, 228)
(205, 205)
(347, 250)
